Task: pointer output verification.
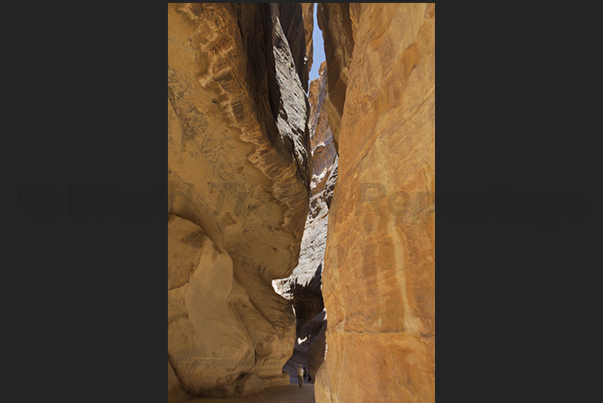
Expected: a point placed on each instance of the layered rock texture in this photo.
(303, 287)
(296, 20)
(238, 193)
(379, 277)
(253, 206)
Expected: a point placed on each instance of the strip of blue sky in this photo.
(319, 50)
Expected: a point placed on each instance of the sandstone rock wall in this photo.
(238, 193)
(379, 277)
(323, 159)
(334, 21)
(303, 287)
(308, 12)
(296, 20)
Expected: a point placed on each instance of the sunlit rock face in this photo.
(303, 287)
(296, 20)
(379, 277)
(238, 194)
(323, 157)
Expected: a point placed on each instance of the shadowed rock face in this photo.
(303, 287)
(379, 277)
(238, 194)
(297, 22)
(308, 12)
(334, 21)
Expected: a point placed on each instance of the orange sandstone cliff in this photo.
(238, 193)
(379, 274)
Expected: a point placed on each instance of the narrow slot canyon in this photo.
(301, 212)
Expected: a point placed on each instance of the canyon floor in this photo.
(278, 394)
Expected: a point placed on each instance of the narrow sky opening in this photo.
(319, 49)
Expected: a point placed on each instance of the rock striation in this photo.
(296, 20)
(238, 193)
(379, 273)
(303, 287)
(252, 167)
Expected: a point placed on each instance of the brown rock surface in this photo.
(276, 394)
(323, 153)
(297, 26)
(308, 12)
(238, 195)
(175, 391)
(334, 21)
(303, 287)
(379, 277)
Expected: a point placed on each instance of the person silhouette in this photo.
(300, 375)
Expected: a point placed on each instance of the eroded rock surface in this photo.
(379, 277)
(296, 20)
(303, 287)
(308, 12)
(248, 175)
(334, 21)
(238, 194)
